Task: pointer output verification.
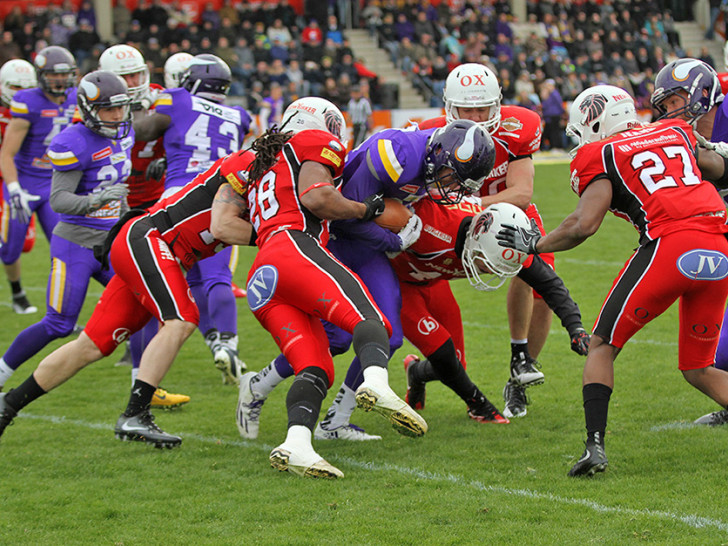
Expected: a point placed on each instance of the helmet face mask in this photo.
(487, 264)
(600, 112)
(174, 69)
(314, 113)
(56, 70)
(468, 151)
(694, 81)
(208, 77)
(16, 74)
(99, 90)
(473, 85)
(126, 61)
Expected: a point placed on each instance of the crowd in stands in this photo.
(572, 45)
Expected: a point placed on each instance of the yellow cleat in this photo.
(166, 400)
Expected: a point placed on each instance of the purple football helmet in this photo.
(208, 76)
(693, 76)
(104, 89)
(465, 147)
(56, 70)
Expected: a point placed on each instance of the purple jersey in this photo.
(47, 119)
(390, 162)
(201, 132)
(104, 162)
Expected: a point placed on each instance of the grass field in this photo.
(65, 479)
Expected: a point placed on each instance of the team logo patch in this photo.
(427, 325)
(120, 335)
(262, 286)
(703, 265)
(511, 124)
(592, 107)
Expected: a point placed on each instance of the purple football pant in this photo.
(72, 267)
(721, 354)
(210, 281)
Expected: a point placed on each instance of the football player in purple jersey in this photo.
(38, 115)
(198, 129)
(406, 165)
(90, 162)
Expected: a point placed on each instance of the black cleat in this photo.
(7, 414)
(485, 412)
(593, 460)
(21, 305)
(416, 392)
(516, 400)
(714, 419)
(141, 428)
(524, 370)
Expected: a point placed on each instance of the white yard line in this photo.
(697, 522)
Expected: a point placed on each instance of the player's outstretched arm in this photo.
(150, 127)
(319, 195)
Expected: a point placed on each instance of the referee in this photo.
(360, 110)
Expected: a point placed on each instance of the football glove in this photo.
(19, 200)
(580, 341)
(522, 240)
(375, 206)
(108, 195)
(156, 169)
(409, 234)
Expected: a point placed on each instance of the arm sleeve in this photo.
(63, 198)
(552, 289)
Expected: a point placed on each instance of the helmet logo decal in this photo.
(92, 91)
(483, 223)
(475, 79)
(681, 72)
(464, 152)
(40, 60)
(592, 107)
(333, 123)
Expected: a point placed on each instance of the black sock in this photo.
(24, 394)
(371, 343)
(596, 403)
(450, 371)
(140, 398)
(16, 287)
(517, 348)
(305, 397)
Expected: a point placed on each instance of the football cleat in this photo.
(247, 414)
(593, 460)
(524, 370)
(345, 432)
(21, 305)
(308, 465)
(167, 400)
(485, 412)
(416, 392)
(383, 400)
(142, 428)
(7, 414)
(516, 400)
(231, 367)
(238, 292)
(713, 419)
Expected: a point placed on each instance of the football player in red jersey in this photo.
(451, 247)
(128, 62)
(16, 74)
(472, 91)
(146, 254)
(295, 281)
(723, 76)
(648, 175)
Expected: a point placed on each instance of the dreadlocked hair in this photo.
(266, 148)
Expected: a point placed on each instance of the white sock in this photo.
(266, 380)
(5, 372)
(230, 343)
(376, 375)
(298, 438)
(341, 409)
(134, 373)
(519, 341)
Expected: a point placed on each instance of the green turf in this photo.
(65, 479)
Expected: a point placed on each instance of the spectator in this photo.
(15, 20)
(571, 87)
(9, 49)
(714, 13)
(228, 11)
(285, 12)
(295, 76)
(330, 91)
(424, 26)
(142, 13)
(246, 61)
(271, 108)
(225, 51)
(404, 28)
(333, 32)
(82, 41)
(552, 108)
(228, 30)
(86, 11)
(279, 31)
(135, 34)
(261, 53)
(121, 16)
(277, 73)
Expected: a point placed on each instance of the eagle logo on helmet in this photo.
(483, 223)
(592, 107)
(333, 123)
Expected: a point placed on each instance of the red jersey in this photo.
(656, 183)
(183, 219)
(141, 190)
(723, 78)
(273, 200)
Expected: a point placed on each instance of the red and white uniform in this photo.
(141, 190)
(147, 254)
(723, 79)
(683, 253)
(295, 281)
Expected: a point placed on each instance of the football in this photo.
(395, 215)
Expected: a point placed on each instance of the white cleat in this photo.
(231, 367)
(346, 432)
(383, 400)
(247, 415)
(308, 465)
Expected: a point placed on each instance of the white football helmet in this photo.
(16, 74)
(487, 264)
(600, 112)
(473, 85)
(175, 66)
(314, 113)
(123, 60)
(725, 56)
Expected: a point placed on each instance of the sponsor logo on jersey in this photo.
(437, 233)
(118, 157)
(128, 142)
(217, 110)
(410, 188)
(164, 251)
(574, 182)
(511, 124)
(427, 325)
(48, 113)
(101, 154)
(703, 265)
(262, 286)
(331, 156)
(500, 170)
